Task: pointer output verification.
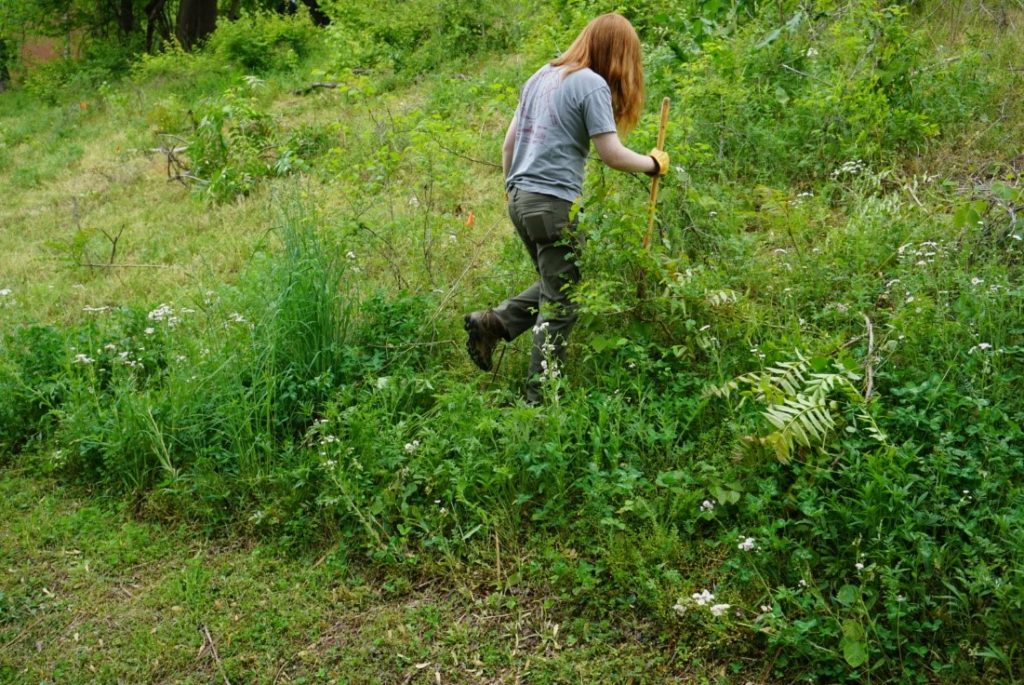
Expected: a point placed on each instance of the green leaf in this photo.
(855, 647)
(848, 594)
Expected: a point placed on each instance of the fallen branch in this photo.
(129, 266)
(213, 650)
(466, 157)
(313, 86)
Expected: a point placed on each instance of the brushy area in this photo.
(789, 435)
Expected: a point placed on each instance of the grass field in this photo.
(240, 440)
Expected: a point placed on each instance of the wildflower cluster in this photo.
(853, 167)
(549, 370)
(164, 314)
(922, 253)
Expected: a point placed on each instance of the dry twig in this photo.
(213, 650)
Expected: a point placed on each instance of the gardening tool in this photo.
(657, 178)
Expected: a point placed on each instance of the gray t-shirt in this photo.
(555, 120)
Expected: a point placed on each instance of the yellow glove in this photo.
(660, 158)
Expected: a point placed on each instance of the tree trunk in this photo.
(126, 17)
(234, 9)
(5, 75)
(196, 20)
(316, 14)
(156, 22)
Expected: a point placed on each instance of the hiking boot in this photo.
(485, 330)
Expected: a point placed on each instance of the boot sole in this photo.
(474, 335)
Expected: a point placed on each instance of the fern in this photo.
(798, 404)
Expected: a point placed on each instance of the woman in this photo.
(588, 94)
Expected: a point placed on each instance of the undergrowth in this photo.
(789, 432)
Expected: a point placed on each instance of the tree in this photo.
(196, 20)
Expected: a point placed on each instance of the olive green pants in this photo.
(542, 222)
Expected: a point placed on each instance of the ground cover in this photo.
(787, 444)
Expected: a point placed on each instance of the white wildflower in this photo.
(411, 447)
(707, 505)
(720, 609)
(811, 53)
(679, 608)
(330, 463)
(703, 597)
(4, 292)
(149, 331)
(163, 313)
(976, 281)
(540, 328)
(350, 255)
(980, 346)
(747, 545)
(110, 347)
(859, 566)
(83, 359)
(236, 317)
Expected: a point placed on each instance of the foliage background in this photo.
(802, 400)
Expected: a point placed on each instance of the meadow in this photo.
(241, 440)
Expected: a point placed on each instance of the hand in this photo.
(660, 158)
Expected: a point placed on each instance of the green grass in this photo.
(309, 448)
(91, 594)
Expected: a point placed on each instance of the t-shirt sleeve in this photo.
(597, 111)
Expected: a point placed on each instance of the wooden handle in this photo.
(654, 184)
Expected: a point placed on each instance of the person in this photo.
(590, 93)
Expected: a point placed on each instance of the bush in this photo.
(265, 42)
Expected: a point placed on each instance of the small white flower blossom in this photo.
(976, 281)
(4, 292)
(703, 597)
(350, 255)
(83, 359)
(859, 566)
(707, 505)
(980, 346)
(236, 317)
(149, 331)
(411, 447)
(811, 53)
(330, 463)
(679, 608)
(803, 583)
(747, 545)
(110, 347)
(720, 609)
(164, 313)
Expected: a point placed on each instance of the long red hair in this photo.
(610, 47)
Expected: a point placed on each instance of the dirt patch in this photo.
(38, 50)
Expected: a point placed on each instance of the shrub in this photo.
(264, 41)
